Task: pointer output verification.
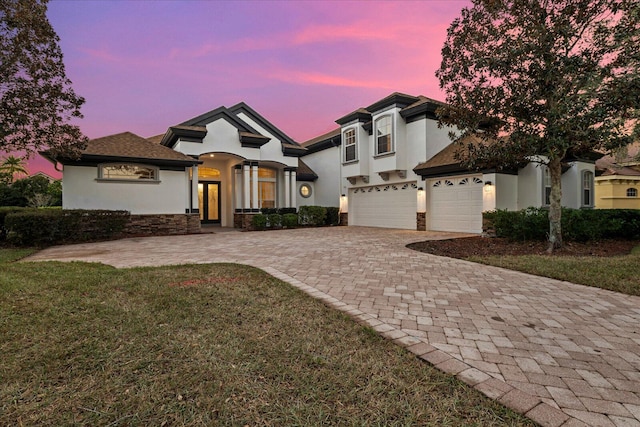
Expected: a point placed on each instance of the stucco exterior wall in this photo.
(272, 150)
(327, 188)
(530, 189)
(611, 192)
(82, 190)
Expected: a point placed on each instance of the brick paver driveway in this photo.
(562, 354)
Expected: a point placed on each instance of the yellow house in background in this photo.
(617, 185)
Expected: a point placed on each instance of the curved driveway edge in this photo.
(562, 354)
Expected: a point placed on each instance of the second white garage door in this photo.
(456, 204)
(389, 206)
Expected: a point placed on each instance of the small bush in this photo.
(41, 227)
(274, 220)
(312, 215)
(290, 220)
(259, 222)
(578, 225)
(333, 216)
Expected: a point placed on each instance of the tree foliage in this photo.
(36, 98)
(555, 78)
(12, 166)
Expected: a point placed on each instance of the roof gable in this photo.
(244, 108)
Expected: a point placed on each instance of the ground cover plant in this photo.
(608, 264)
(87, 344)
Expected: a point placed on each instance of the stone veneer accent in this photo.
(163, 224)
(242, 220)
(488, 229)
(421, 221)
(344, 218)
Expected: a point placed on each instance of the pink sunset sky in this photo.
(143, 66)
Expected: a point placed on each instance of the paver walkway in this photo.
(562, 354)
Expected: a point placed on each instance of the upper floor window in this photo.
(587, 188)
(127, 172)
(384, 139)
(546, 184)
(350, 150)
(632, 192)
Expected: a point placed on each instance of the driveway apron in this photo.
(562, 354)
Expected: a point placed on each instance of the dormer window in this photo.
(350, 146)
(384, 139)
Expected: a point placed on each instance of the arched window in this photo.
(632, 192)
(587, 188)
(384, 135)
(350, 145)
(127, 172)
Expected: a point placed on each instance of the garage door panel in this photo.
(389, 206)
(456, 204)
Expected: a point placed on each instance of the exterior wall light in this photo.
(488, 187)
(344, 204)
(422, 200)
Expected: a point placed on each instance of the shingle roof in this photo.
(321, 138)
(156, 139)
(304, 172)
(627, 165)
(127, 145)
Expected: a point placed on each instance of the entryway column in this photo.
(246, 178)
(293, 189)
(287, 188)
(194, 189)
(254, 187)
(237, 187)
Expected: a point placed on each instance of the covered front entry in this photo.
(209, 202)
(456, 204)
(389, 206)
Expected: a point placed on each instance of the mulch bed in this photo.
(486, 246)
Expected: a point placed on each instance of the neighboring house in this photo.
(44, 175)
(618, 180)
(387, 165)
(400, 171)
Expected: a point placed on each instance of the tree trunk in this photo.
(555, 206)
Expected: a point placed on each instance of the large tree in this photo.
(36, 98)
(545, 80)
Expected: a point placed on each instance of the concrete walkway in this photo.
(563, 354)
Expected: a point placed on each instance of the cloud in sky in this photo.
(144, 66)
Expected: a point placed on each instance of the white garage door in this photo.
(456, 204)
(389, 206)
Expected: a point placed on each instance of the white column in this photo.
(194, 188)
(287, 189)
(294, 194)
(246, 175)
(237, 184)
(254, 186)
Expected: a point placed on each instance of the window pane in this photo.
(350, 153)
(128, 172)
(266, 173)
(267, 194)
(383, 135)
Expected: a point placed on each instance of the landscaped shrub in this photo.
(333, 216)
(312, 215)
(259, 222)
(4, 211)
(577, 224)
(290, 220)
(284, 211)
(274, 220)
(40, 227)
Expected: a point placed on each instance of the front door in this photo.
(209, 201)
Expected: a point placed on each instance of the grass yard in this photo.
(87, 344)
(618, 273)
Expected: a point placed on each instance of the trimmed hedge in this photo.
(578, 225)
(312, 215)
(259, 222)
(41, 227)
(6, 210)
(279, 211)
(333, 216)
(290, 220)
(274, 220)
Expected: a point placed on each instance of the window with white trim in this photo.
(127, 172)
(266, 187)
(632, 192)
(546, 187)
(384, 135)
(587, 188)
(350, 145)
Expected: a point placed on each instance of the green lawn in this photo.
(87, 344)
(620, 273)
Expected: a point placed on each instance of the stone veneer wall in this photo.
(163, 224)
(344, 218)
(421, 221)
(242, 220)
